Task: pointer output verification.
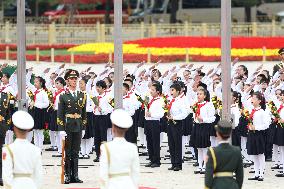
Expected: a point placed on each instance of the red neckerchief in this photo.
(171, 103)
(101, 96)
(167, 96)
(36, 92)
(130, 93)
(182, 95)
(280, 108)
(66, 90)
(56, 94)
(151, 102)
(199, 106)
(253, 112)
(126, 96)
(3, 88)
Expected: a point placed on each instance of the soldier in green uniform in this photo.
(5, 122)
(224, 161)
(72, 120)
(280, 65)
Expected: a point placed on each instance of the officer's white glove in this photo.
(83, 133)
(62, 135)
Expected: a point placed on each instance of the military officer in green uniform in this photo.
(280, 65)
(72, 120)
(224, 167)
(5, 122)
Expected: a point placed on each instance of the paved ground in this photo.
(155, 178)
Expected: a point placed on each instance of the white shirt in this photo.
(128, 105)
(207, 113)
(261, 119)
(178, 109)
(89, 104)
(41, 99)
(8, 89)
(26, 160)
(104, 105)
(156, 109)
(124, 159)
(236, 114)
(56, 98)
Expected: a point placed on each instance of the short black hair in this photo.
(42, 82)
(102, 84)
(128, 80)
(203, 85)
(158, 87)
(60, 80)
(6, 75)
(176, 86)
(126, 86)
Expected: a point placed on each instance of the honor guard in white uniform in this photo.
(22, 164)
(119, 162)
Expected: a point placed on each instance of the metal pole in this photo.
(146, 11)
(21, 54)
(118, 54)
(226, 58)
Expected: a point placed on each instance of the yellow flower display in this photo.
(105, 48)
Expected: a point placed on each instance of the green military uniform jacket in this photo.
(5, 117)
(222, 160)
(71, 114)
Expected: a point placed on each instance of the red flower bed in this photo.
(211, 42)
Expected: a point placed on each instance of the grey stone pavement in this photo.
(159, 178)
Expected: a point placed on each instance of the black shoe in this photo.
(1, 182)
(96, 160)
(143, 154)
(67, 179)
(197, 171)
(260, 179)
(76, 180)
(149, 164)
(202, 172)
(269, 159)
(279, 175)
(67, 173)
(251, 171)
(57, 155)
(154, 165)
(51, 149)
(177, 169)
(171, 168)
(275, 167)
(195, 164)
(86, 157)
(253, 178)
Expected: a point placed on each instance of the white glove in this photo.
(62, 135)
(83, 133)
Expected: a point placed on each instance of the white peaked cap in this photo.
(121, 119)
(23, 120)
